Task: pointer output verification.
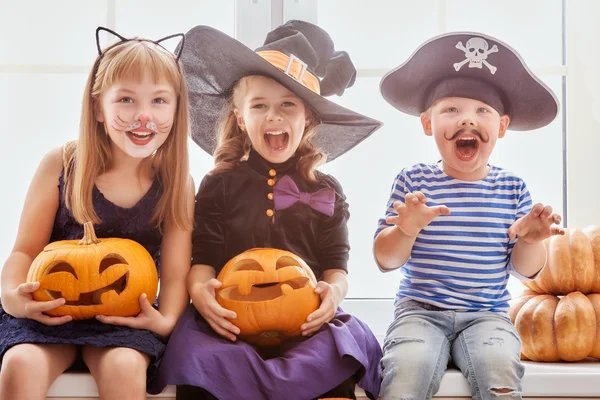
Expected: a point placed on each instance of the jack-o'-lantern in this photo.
(272, 292)
(94, 276)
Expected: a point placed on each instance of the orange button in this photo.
(270, 196)
(272, 172)
(271, 182)
(270, 213)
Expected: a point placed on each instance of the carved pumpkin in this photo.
(95, 276)
(570, 266)
(557, 328)
(272, 292)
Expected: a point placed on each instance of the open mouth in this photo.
(140, 138)
(277, 140)
(93, 298)
(265, 291)
(466, 147)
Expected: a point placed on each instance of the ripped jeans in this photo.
(422, 339)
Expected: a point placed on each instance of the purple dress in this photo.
(131, 223)
(230, 218)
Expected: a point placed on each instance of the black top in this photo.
(128, 223)
(231, 217)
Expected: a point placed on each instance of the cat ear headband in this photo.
(125, 40)
(101, 53)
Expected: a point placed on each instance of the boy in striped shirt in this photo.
(457, 228)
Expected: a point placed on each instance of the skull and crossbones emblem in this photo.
(476, 52)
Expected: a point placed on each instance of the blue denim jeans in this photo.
(485, 346)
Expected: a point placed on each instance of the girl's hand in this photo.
(149, 318)
(20, 304)
(325, 312)
(414, 214)
(203, 298)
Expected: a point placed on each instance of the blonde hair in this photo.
(90, 155)
(233, 144)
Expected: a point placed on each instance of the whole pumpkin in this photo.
(95, 276)
(272, 292)
(570, 264)
(593, 233)
(557, 328)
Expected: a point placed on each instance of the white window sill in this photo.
(571, 380)
(548, 380)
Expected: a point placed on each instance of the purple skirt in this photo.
(304, 368)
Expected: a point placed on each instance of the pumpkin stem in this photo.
(89, 236)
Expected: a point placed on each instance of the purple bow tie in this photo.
(286, 194)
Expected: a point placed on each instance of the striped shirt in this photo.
(461, 261)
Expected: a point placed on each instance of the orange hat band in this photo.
(292, 66)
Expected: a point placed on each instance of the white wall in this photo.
(583, 112)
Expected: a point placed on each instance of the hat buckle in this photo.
(302, 70)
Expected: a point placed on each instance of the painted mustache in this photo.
(474, 132)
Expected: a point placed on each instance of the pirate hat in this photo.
(475, 66)
(298, 55)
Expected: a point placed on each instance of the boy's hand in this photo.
(414, 214)
(537, 225)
